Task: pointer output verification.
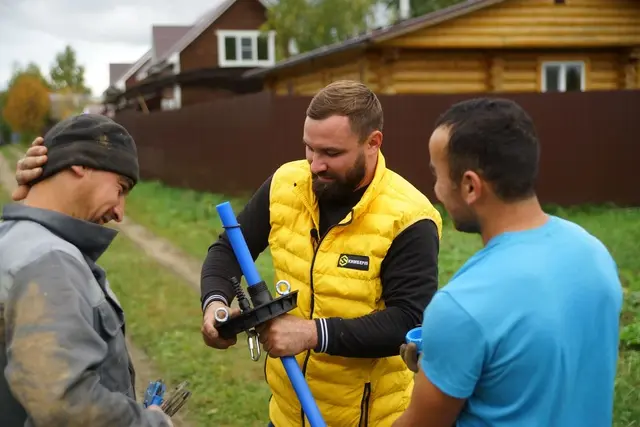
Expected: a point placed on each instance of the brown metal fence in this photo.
(590, 142)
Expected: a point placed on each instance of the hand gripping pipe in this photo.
(256, 286)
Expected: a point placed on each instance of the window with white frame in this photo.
(563, 76)
(246, 48)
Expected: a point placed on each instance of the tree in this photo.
(31, 69)
(315, 23)
(283, 18)
(65, 73)
(420, 7)
(27, 105)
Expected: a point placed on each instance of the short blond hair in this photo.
(351, 99)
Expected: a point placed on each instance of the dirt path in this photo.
(158, 249)
(7, 179)
(163, 252)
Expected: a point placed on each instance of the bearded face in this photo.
(331, 185)
(337, 157)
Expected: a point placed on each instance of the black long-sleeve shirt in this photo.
(409, 277)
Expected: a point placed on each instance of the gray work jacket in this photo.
(63, 353)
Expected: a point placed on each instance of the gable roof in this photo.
(163, 37)
(117, 70)
(136, 66)
(201, 24)
(380, 35)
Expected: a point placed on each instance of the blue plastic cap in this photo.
(415, 336)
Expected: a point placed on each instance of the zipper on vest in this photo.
(312, 296)
(311, 305)
(364, 406)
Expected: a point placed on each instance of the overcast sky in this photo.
(100, 31)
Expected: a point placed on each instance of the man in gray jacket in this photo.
(63, 353)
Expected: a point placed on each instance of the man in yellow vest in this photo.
(359, 243)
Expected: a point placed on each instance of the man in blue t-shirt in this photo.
(526, 332)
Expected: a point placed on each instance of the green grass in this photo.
(164, 319)
(4, 198)
(189, 220)
(11, 153)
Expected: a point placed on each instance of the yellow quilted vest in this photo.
(349, 391)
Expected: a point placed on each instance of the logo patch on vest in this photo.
(354, 262)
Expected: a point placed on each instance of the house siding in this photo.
(203, 51)
(497, 49)
(535, 24)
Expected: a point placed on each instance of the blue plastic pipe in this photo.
(252, 276)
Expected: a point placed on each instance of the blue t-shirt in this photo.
(527, 331)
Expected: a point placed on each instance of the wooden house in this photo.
(201, 62)
(482, 46)
(124, 76)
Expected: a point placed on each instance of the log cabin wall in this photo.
(311, 76)
(502, 48)
(534, 24)
(488, 71)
